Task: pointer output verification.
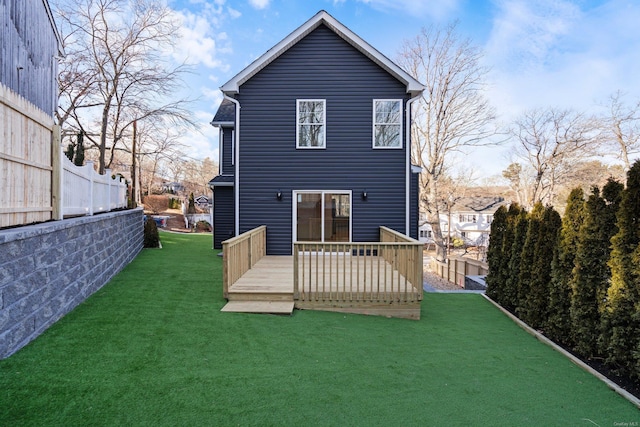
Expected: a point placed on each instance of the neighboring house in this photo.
(470, 219)
(315, 142)
(202, 202)
(172, 187)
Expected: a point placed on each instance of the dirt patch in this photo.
(437, 282)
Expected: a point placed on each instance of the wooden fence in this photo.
(241, 253)
(26, 170)
(37, 181)
(455, 269)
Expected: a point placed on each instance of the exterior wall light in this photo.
(364, 194)
(279, 195)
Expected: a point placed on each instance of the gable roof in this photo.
(414, 87)
(479, 204)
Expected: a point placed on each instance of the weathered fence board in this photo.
(25, 161)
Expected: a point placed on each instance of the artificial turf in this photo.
(153, 348)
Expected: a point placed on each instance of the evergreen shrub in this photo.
(151, 235)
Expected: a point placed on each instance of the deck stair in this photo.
(264, 307)
(266, 288)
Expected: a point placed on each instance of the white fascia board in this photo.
(222, 124)
(232, 87)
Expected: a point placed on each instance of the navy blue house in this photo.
(315, 142)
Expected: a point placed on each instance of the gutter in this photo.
(236, 144)
(408, 165)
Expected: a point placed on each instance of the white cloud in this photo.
(440, 9)
(525, 34)
(553, 54)
(199, 43)
(259, 4)
(233, 13)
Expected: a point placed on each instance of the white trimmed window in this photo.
(311, 123)
(387, 123)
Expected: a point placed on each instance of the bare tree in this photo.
(519, 182)
(197, 174)
(549, 142)
(452, 114)
(156, 144)
(115, 72)
(623, 127)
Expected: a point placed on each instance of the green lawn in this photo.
(152, 348)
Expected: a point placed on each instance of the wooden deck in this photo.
(270, 279)
(353, 286)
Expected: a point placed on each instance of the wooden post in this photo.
(296, 293)
(225, 270)
(57, 174)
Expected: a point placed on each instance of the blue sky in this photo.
(560, 53)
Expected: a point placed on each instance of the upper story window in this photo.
(311, 123)
(387, 123)
(467, 218)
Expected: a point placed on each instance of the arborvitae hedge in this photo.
(558, 325)
(537, 301)
(527, 297)
(621, 319)
(512, 284)
(590, 275)
(495, 254)
(596, 253)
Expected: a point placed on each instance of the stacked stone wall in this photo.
(47, 269)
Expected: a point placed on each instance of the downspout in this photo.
(236, 178)
(408, 165)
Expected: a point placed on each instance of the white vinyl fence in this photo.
(85, 192)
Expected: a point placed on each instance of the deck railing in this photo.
(241, 253)
(385, 272)
(409, 260)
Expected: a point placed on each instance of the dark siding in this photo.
(415, 206)
(321, 65)
(227, 146)
(223, 215)
(27, 40)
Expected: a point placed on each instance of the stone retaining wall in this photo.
(47, 269)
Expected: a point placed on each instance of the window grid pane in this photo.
(311, 122)
(387, 124)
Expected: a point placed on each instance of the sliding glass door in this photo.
(322, 216)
